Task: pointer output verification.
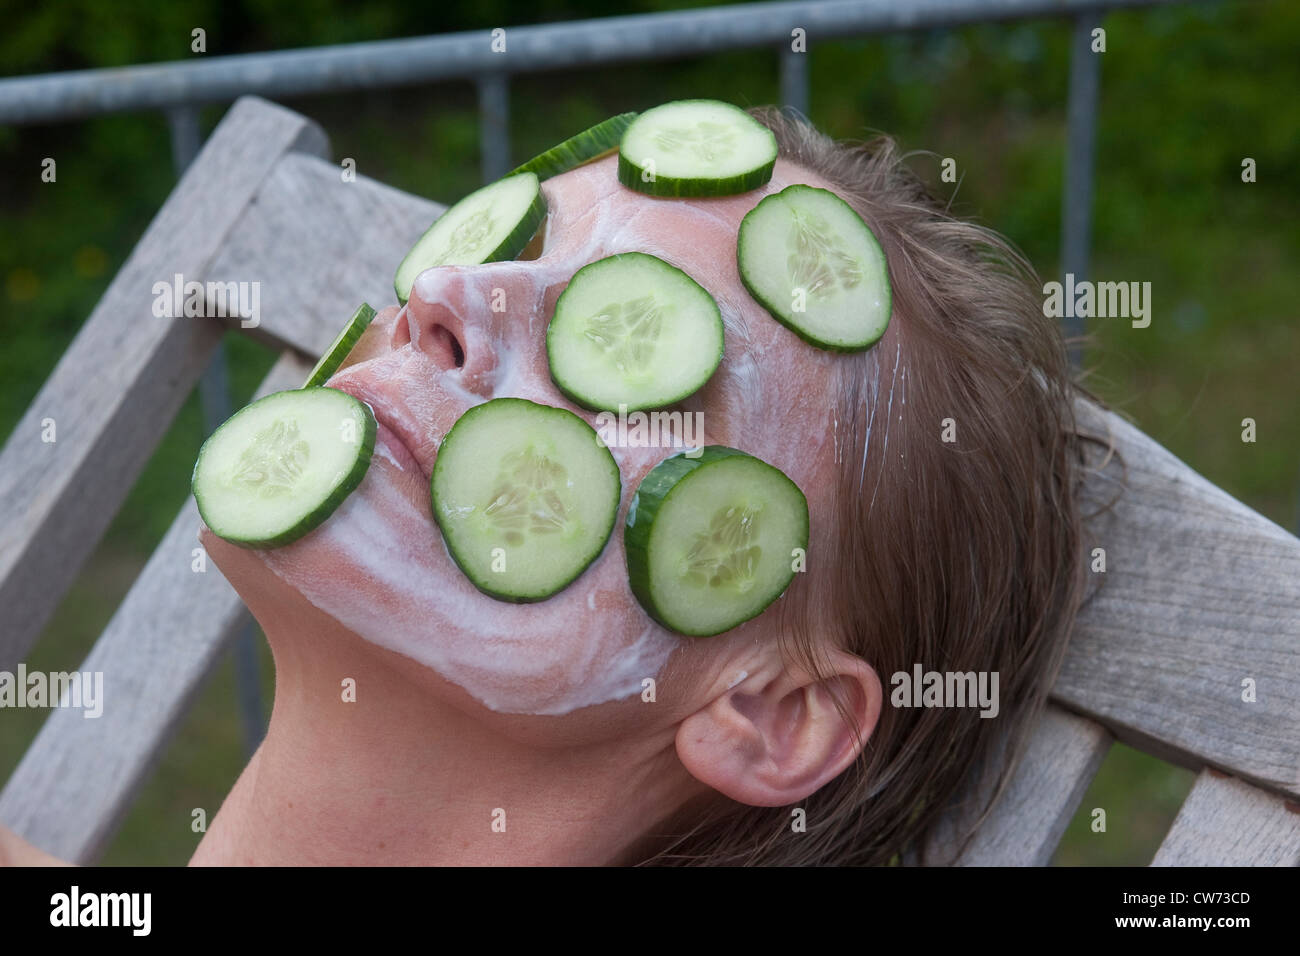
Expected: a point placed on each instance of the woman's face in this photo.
(378, 565)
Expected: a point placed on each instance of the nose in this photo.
(474, 321)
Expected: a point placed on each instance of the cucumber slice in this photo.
(491, 224)
(590, 144)
(525, 496)
(710, 542)
(696, 148)
(808, 258)
(279, 467)
(632, 329)
(338, 351)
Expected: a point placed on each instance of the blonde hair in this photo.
(959, 556)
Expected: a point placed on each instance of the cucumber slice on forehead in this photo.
(808, 258)
(632, 329)
(492, 224)
(590, 144)
(343, 343)
(525, 496)
(710, 542)
(279, 467)
(696, 148)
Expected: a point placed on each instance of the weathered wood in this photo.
(122, 380)
(1227, 822)
(320, 246)
(76, 782)
(1200, 593)
(1027, 821)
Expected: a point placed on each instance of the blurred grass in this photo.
(1187, 92)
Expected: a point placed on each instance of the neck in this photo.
(400, 777)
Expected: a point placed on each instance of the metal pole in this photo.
(214, 399)
(494, 125)
(1081, 148)
(58, 97)
(794, 79)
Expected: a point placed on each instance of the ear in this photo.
(775, 738)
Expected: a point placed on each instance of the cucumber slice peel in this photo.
(810, 260)
(696, 148)
(492, 224)
(276, 469)
(589, 145)
(710, 541)
(633, 330)
(525, 496)
(343, 343)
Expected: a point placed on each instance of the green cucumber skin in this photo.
(629, 174)
(510, 247)
(650, 496)
(446, 540)
(576, 397)
(315, 518)
(774, 311)
(329, 362)
(570, 154)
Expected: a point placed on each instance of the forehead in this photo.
(587, 191)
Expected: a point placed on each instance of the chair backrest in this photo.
(1199, 593)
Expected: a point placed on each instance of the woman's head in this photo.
(954, 555)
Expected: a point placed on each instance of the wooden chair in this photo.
(1200, 592)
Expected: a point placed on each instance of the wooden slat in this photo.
(1200, 593)
(76, 782)
(1027, 822)
(320, 246)
(122, 380)
(1227, 822)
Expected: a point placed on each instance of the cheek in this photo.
(377, 339)
(378, 567)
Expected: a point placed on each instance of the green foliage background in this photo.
(1187, 92)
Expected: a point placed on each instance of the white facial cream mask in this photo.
(379, 566)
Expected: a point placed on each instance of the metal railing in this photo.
(490, 57)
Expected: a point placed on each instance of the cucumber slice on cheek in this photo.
(333, 357)
(632, 329)
(525, 496)
(492, 224)
(279, 467)
(711, 542)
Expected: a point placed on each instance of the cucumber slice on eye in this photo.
(492, 224)
(710, 542)
(343, 343)
(808, 258)
(696, 148)
(525, 496)
(632, 329)
(279, 467)
(590, 144)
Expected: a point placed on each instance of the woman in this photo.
(419, 721)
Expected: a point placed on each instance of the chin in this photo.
(314, 650)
